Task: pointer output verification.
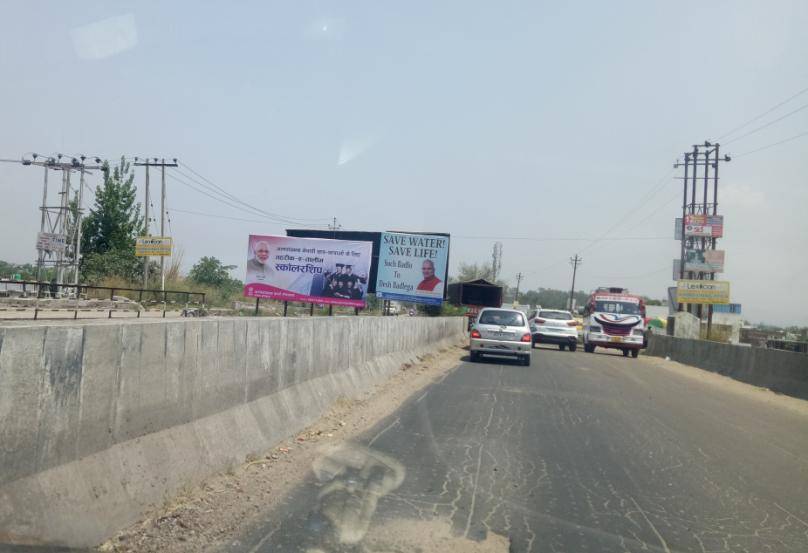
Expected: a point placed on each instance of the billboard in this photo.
(704, 261)
(707, 226)
(312, 270)
(677, 273)
(351, 236)
(157, 246)
(412, 267)
(677, 228)
(51, 242)
(702, 291)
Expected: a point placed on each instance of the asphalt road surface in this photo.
(578, 452)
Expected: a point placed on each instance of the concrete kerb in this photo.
(124, 458)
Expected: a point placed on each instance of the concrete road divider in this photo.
(101, 421)
(781, 371)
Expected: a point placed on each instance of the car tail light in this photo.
(526, 338)
(476, 334)
(572, 323)
(539, 321)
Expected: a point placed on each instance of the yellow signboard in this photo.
(702, 291)
(153, 246)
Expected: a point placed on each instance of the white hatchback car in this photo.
(554, 326)
(501, 332)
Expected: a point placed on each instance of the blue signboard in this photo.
(412, 267)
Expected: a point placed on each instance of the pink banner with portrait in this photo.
(312, 270)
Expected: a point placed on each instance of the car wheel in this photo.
(635, 353)
(474, 356)
(562, 347)
(589, 348)
(625, 353)
(526, 360)
(573, 347)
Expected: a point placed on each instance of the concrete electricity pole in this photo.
(574, 261)
(162, 165)
(518, 282)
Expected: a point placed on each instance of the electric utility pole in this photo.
(162, 165)
(574, 261)
(496, 261)
(518, 282)
(55, 221)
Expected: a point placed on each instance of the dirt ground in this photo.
(210, 515)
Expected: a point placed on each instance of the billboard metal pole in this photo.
(684, 213)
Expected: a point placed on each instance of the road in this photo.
(578, 452)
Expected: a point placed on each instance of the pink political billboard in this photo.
(312, 270)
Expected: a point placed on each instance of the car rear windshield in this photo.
(504, 318)
(559, 315)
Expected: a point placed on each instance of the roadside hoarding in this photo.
(313, 270)
(702, 291)
(153, 246)
(412, 267)
(51, 242)
(707, 226)
(704, 261)
(677, 273)
(677, 228)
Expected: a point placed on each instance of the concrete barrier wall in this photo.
(99, 421)
(781, 371)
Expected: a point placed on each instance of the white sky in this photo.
(504, 119)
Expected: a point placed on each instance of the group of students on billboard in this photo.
(330, 271)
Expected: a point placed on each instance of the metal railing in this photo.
(52, 290)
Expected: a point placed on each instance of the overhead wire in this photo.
(222, 191)
(645, 199)
(772, 145)
(230, 203)
(769, 124)
(765, 113)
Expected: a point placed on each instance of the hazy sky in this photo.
(543, 120)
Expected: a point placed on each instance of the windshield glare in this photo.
(503, 318)
(621, 307)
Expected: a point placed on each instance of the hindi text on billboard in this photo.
(312, 270)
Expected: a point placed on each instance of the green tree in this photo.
(110, 229)
(474, 271)
(210, 271)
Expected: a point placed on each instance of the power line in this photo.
(769, 124)
(209, 183)
(796, 136)
(219, 216)
(558, 239)
(768, 111)
(647, 198)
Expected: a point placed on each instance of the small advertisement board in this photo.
(702, 291)
(51, 242)
(153, 246)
